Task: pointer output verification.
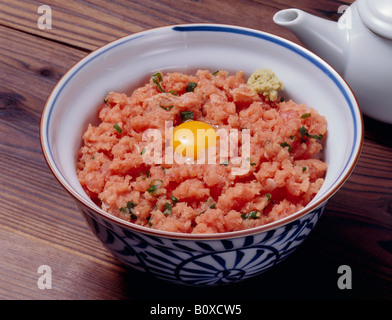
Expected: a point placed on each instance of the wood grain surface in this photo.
(41, 225)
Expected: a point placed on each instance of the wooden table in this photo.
(40, 224)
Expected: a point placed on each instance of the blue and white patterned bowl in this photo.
(202, 261)
(191, 259)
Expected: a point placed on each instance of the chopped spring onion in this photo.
(285, 144)
(186, 115)
(315, 136)
(225, 163)
(303, 132)
(167, 108)
(268, 195)
(250, 215)
(174, 199)
(117, 127)
(157, 79)
(129, 209)
(154, 185)
(146, 172)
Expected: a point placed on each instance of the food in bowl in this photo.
(195, 258)
(169, 180)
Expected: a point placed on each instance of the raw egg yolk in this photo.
(192, 137)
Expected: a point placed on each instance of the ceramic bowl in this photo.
(208, 259)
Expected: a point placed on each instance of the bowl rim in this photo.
(315, 59)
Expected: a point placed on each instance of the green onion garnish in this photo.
(268, 195)
(191, 86)
(154, 185)
(167, 108)
(117, 127)
(303, 132)
(315, 136)
(285, 144)
(157, 79)
(186, 115)
(129, 209)
(225, 163)
(250, 215)
(167, 209)
(306, 115)
(174, 199)
(146, 172)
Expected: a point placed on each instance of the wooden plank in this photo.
(36, 212)
(90, 24)
(74, 275)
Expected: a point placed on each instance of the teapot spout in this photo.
(321, 36)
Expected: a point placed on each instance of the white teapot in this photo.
(358, 46)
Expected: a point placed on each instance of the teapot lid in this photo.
(377, 16)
